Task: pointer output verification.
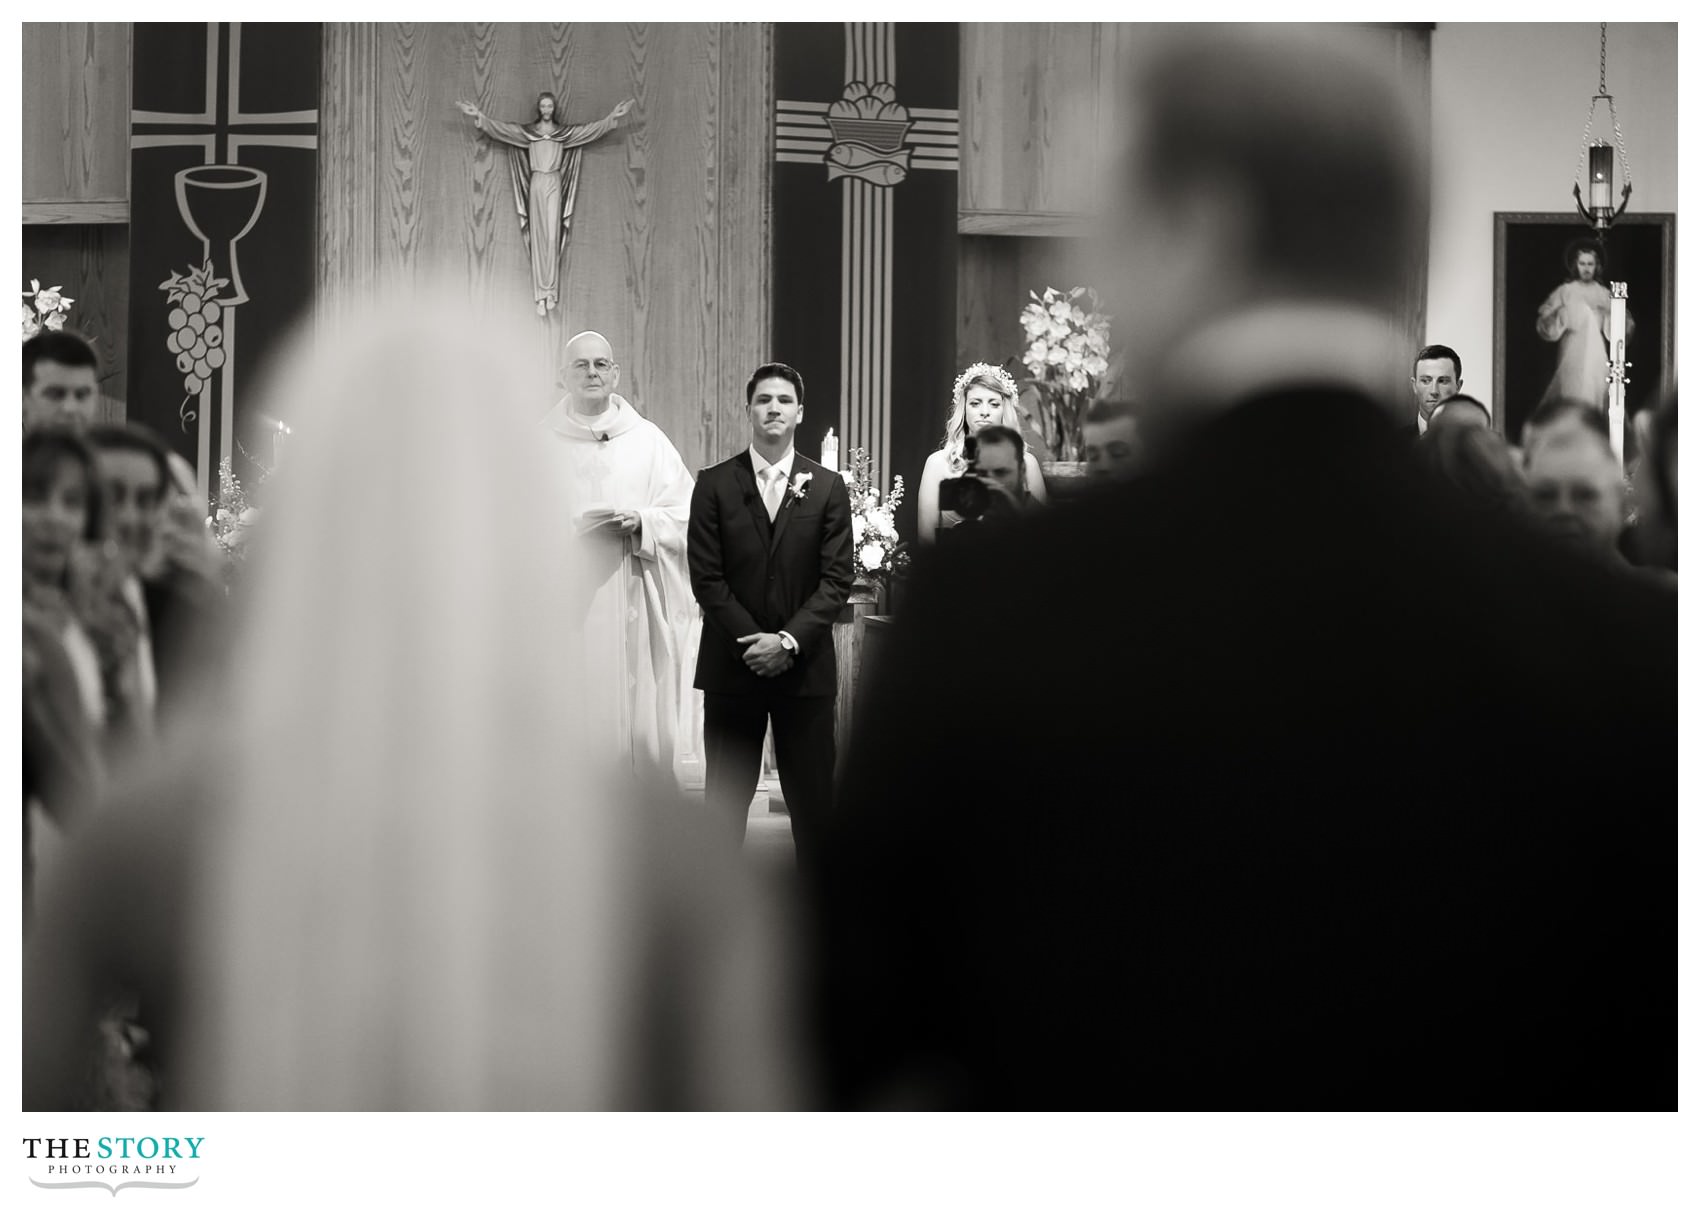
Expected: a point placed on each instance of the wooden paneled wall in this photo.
(76, 121)
(92, 263)
(994, 274)
(1030, 125)
(668, 254)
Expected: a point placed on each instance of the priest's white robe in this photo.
(636, 625)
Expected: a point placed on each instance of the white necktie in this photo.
(774, 491)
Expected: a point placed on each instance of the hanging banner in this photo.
(224, 124)
(864, 235)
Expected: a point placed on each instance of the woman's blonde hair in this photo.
(981, 374)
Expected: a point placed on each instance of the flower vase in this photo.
(1064, 478)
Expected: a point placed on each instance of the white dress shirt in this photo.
(770, 474)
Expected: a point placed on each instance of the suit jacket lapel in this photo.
(752, 496)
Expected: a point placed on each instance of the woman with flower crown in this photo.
(983, 395)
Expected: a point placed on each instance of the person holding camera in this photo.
(983, 396)
(997, 485)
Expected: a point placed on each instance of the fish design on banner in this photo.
(868, 128)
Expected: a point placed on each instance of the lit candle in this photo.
(1599, 177)
(829, 451)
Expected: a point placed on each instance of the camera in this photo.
(966, 495)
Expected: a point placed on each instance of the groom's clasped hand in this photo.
(766, 654)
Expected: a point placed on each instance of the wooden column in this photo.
(349, 156)
(847, 635)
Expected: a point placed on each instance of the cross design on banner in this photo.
(871, 142)
(219, 204)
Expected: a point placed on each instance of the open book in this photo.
(594, 518)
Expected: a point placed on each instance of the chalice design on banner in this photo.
(219, 203)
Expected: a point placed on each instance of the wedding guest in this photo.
(1563, 420)
(61, 380)
(391, 873)
(1437, 373)
(982, 395)
(83, 694)
(1287, 912)
(1577, 488)
(1460, 412)
(64, 702)
(172, 585)
(1110, 434)
(1475, 460)
(1656, 527)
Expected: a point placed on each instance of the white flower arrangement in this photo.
(1068, 357)
(873, 522)
(230, 521)
(51, 308)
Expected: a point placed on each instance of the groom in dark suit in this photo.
(771, 563)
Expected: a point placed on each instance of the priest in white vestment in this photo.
(630, 496)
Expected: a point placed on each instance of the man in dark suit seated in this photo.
(769, 548)
(1224, 868)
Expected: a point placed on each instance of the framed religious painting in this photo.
(1552, 276)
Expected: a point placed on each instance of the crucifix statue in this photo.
(544, 164)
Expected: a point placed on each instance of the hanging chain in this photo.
(1617, 129)
(1587, 141)
(1622, 150)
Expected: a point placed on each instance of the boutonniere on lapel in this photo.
(800, 486)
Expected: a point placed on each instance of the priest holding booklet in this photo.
(631, 499)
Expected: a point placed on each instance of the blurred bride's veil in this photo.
(413, 876)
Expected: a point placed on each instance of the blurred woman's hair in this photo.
(982, 375)
(1478, 464)
(46, 451)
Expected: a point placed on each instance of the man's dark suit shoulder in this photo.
(1299, 703)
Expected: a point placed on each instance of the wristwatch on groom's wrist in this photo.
(788, 642)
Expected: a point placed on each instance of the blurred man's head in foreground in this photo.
(1577, 487)
(1562, 421)
(1475, 460)
(1460, 412)
(135, 475)
(1261, 166)
(1111, 435)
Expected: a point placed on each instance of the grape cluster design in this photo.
(197, 337)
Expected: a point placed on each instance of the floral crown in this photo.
(984, 370)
